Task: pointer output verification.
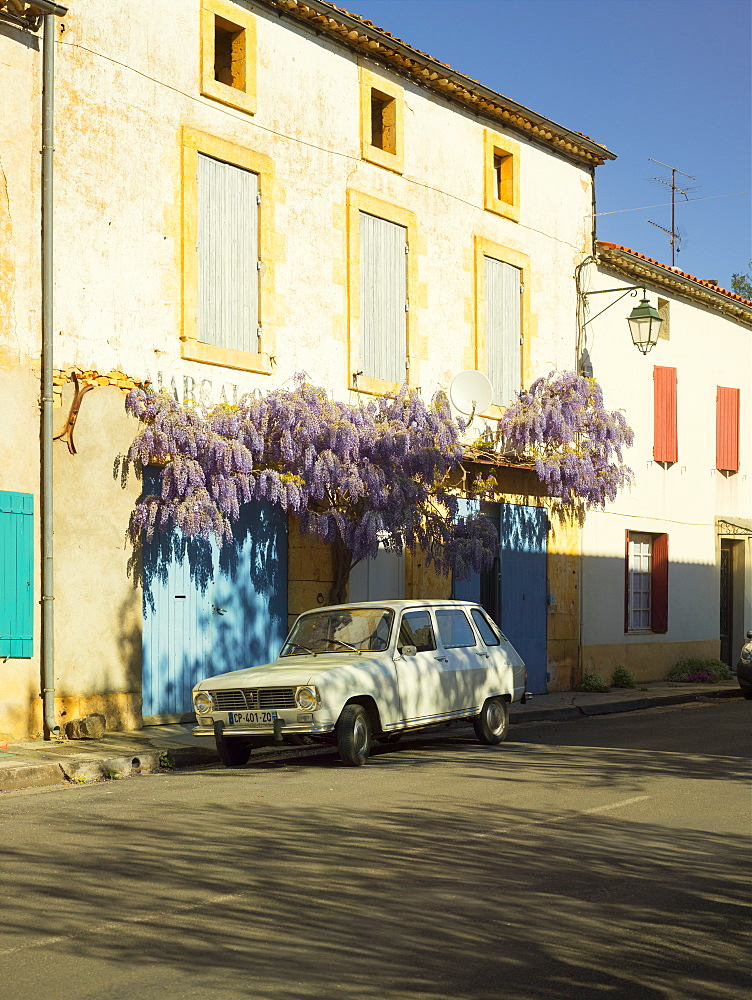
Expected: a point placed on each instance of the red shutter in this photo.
(659, 585)
(626, 583)
(727, 429)
(665, 438)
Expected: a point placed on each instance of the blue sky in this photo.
(668, 79)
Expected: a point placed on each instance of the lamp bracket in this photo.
(631, 290)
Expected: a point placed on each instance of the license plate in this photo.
(251, 718)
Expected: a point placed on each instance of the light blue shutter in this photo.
(16, 574)
(383, 298)
(503, 330)
(227, 255)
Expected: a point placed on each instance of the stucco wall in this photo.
(97, 599)
(119, 216)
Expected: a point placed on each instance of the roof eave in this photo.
(427, 72)
(629, 265)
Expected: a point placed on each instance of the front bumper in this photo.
(287, 723)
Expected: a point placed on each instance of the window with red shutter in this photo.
(665, 436)
(727, 429)
(646, 583)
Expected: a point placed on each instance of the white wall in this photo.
(682, 499)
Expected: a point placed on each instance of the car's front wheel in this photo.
(233, 752)
(493, 722)
(353, 735)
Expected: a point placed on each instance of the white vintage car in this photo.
(352, 673)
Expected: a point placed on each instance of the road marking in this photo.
(138, 918)
(616, 805)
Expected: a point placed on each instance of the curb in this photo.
(159, 760)
(570, 713)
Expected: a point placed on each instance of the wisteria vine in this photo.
(356, 475)
(561, 423)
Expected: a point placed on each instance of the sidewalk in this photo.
(159, 748)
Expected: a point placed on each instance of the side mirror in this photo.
(408, 651)
(749, 633)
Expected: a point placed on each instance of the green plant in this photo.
(694, 670)
(594, 683)
(622, 678)
(110, 774)
(164, 759)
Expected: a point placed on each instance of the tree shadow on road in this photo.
(253, 897)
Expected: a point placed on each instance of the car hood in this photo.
(290, 672)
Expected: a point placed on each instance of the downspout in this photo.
(51, 728)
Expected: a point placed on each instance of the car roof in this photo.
(439, 602)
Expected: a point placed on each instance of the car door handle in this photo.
(481, 654)
(443, 659)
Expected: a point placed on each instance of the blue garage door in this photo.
(523, 533)
(208, 610)
(514, 590)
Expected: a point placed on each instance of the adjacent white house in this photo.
(667, 568)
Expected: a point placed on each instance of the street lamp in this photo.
(644, 320)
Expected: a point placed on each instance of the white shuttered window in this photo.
(228, 278)
(383, 298)
(640, 570)
(503, 330)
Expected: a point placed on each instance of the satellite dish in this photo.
(470, 392)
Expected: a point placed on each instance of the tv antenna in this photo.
(675, 237)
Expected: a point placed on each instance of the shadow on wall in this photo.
(475, 901)
(693, 618)
(208, 609)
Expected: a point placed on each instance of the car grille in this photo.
(260, 698)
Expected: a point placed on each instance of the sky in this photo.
(667, 79)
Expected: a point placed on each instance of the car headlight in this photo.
(307, 698)
(747, 652)
(203, 702)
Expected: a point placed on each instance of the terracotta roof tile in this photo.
(675, 270)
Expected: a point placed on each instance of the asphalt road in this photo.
(606, 858)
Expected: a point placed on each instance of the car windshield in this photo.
(343, 630)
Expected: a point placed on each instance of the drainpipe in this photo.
(51, 10)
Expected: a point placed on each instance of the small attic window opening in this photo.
(503, 167)
(383, 122)
(663, 312)
(229, 53)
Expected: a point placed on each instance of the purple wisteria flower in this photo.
(561, 423)
(357, 475)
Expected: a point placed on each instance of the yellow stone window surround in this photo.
(357, 202)
(192, 349)
(501, 173)
(382, 118)
(228, 54)
(487, 248)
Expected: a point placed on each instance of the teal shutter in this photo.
(16, 574)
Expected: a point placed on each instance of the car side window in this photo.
(417, 630)
(454, 628)
(487, 634)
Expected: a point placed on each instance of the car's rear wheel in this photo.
(233, 752)
(492, 723)
(353, 733)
